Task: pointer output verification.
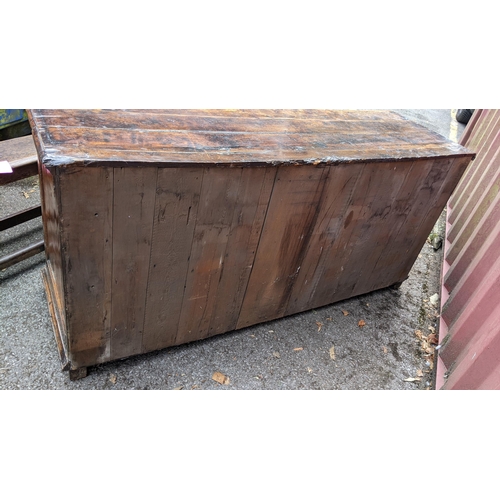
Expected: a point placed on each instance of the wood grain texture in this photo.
(18, 149)
(254, 192)
(243, 137)
(133, 212)
(401, 251)
(339, 190)
(285, 237)
(50, 202)
(177, 225)
(218, 200)
(366, 225)
(176, 210)
(86, 233)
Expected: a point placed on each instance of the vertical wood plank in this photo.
(394, 263)
(253, 198)
(445, 176)
(86, 215)
(373, 229)
(287, 229)
(176, 210)
(133, 211)
(338, 193)
(219, 195)
(49, 191)
(324, 292)
(389, 244)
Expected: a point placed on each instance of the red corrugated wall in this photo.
(469, 356)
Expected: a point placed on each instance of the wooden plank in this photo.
(400, 252)
(287, 230)
(328, 279)
(86, 215)
(374, 228)
(18, 149)
(218, 199)
(234, 136)
(133, 212)
(194, 141)
(176, 209)
(303, 122)
(339, 188)
(351, 255)
(22, 170)
(20, 217)
(248, 219)
(439, 190)
(390, 243)
(51, 206)
(20, 255)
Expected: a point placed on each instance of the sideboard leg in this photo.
(78, 373)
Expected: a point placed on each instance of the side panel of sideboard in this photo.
(153, 256)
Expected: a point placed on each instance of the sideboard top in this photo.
(232, 137)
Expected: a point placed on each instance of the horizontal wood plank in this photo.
(243, 137)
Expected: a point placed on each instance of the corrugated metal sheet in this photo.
(470, 300)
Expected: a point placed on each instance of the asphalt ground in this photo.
(322, 349)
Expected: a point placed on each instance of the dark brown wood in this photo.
(86, 244)
(218, 201)
(213, 137)
(78, 373)
(23, 254)
(285, 237)
(133, 211)
(20, 217)
(176, 209)
(169, 226)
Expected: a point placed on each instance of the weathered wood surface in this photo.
(166, 227)
(233, 137)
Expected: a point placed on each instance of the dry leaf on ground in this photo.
(178, 388)
(420, 373)
(329, 318)
(345, 313)
(220, 378)
(433, 339)
(361, 323)
(332, 352)
(419, 334)
(276, 354)
(309, 370)
(319, 324)
(112, 379)
(298, 349)
(385, 350)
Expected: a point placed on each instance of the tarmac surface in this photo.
(322, 349)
